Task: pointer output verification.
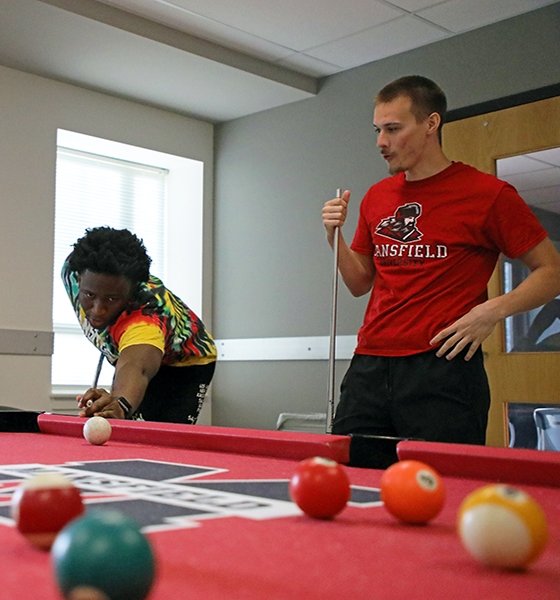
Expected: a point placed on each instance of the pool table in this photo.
(214, 503)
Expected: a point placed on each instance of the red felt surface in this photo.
(363, 553)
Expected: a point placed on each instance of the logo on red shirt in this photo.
(402, 225)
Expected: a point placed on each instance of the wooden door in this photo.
(515, 377)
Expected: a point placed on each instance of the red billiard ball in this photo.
(320, 487)
(412, 491)
(43, 505)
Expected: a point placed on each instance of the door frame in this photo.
(480, 140)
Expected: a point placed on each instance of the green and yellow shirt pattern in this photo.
(156, 317)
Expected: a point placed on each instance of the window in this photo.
(157, 196)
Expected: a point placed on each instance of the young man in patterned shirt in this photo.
(164, 357)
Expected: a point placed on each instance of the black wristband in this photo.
(126, 406)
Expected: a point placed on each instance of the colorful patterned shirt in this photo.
(155, 316)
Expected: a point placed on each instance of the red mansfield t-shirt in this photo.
(435, 243)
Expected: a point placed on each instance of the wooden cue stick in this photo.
(332, 344)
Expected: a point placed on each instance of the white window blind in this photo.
(94, 190)
(158, 196)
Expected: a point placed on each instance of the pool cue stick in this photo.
(98, 370)
(97, 374)
(332, 344)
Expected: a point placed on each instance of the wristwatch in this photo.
(126, 406)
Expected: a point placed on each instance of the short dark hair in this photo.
(112, 252)
(426, 96)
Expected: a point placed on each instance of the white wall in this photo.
(31, 110)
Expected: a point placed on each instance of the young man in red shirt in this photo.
(425, 246)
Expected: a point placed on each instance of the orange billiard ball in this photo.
(320, 487)
(412, 491)
(42, 505)
(502, 526)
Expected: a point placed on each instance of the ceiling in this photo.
(218, 60)
(536, 177)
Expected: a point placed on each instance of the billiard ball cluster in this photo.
(499, 525)
(98, 555)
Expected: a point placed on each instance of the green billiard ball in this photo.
(104, 550)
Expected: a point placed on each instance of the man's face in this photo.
(103, 297)
(400, 137)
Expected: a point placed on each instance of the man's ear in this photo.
(433, 121)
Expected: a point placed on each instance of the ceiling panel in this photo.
(414, 5)
(182, 54)
(464, 15)
(536, 176)
(295, 24)
(101, 57)
(550, 157)
(385, 40)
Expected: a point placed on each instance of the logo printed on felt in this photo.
(165, 496)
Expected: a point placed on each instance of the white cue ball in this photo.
(97, 430)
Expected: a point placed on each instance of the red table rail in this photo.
(508, 465)
(280, 444)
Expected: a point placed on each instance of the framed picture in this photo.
(534, 331)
